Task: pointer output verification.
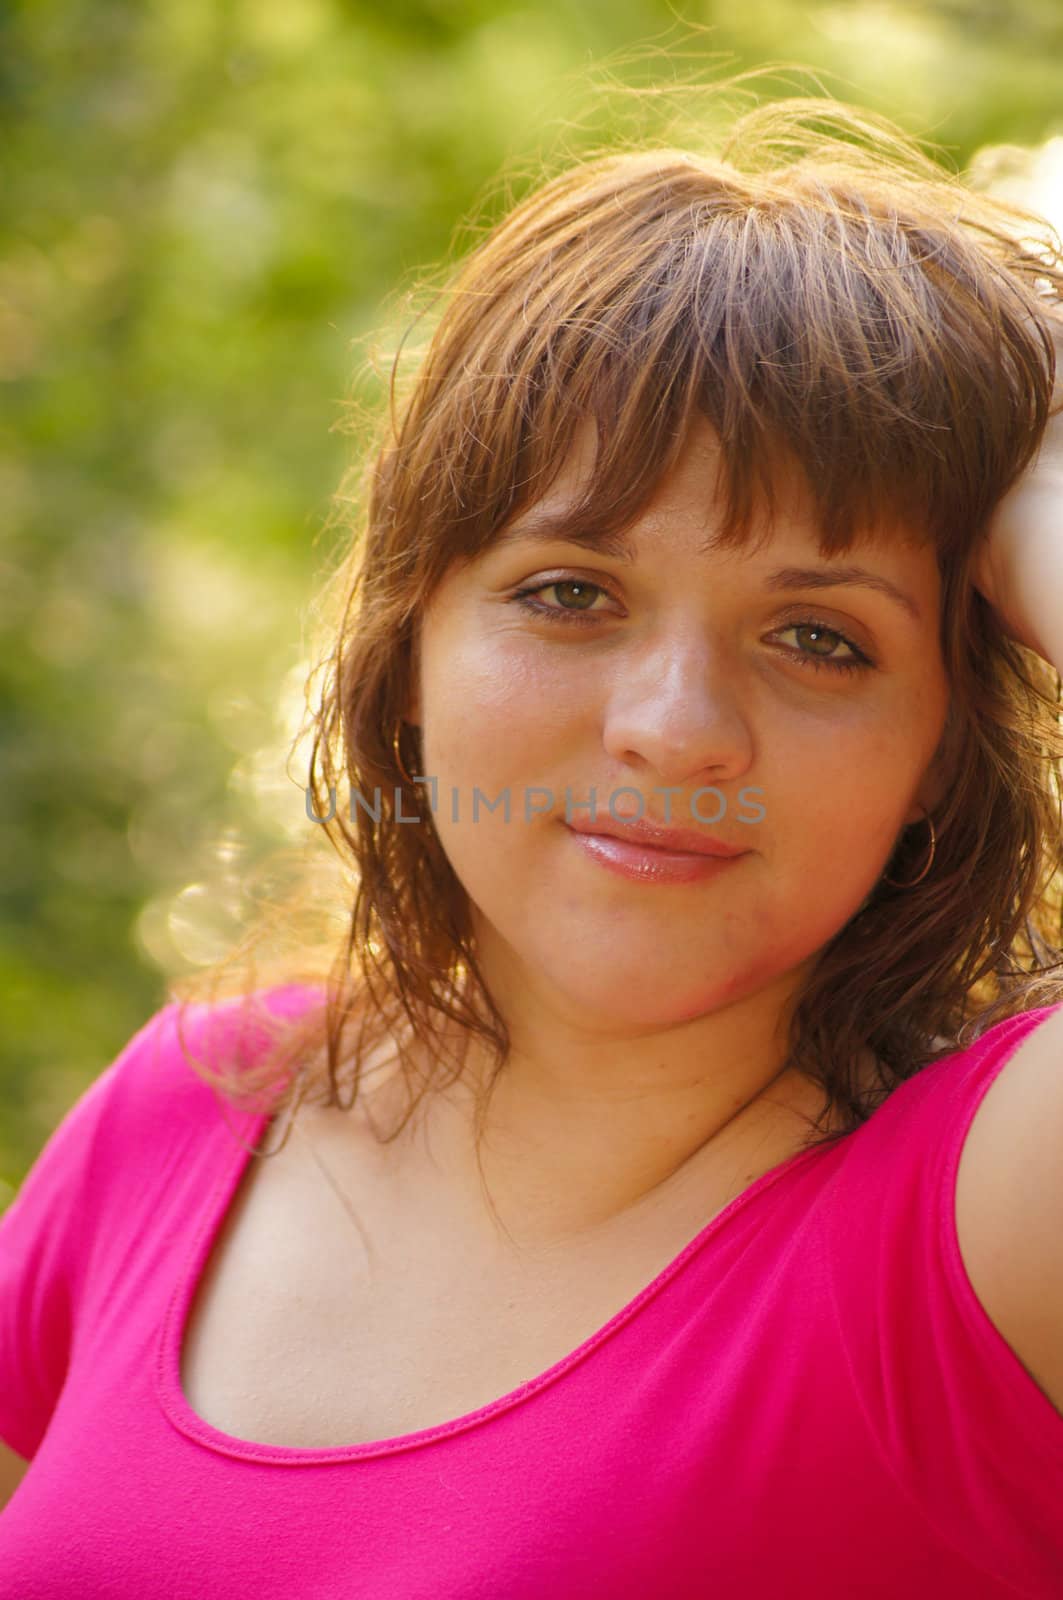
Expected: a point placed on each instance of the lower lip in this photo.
(647, 865)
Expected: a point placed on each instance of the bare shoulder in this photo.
(13, 1469)
(1009, 1204)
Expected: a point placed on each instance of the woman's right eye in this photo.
(579, 588)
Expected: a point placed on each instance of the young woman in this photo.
(667, 1186)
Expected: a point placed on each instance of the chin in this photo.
(642, 1001)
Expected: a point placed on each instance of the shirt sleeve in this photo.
(46, 1237)
(961, 1425)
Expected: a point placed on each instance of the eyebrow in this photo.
(828, 577)
(550, 528)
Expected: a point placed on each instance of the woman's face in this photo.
(682, 669)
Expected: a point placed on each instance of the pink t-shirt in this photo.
(809, 1401)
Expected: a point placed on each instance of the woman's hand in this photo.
(1019, 568)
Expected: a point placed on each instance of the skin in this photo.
(643, 1017)
(1019, 568)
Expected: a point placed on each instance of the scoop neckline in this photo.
(171, 1337)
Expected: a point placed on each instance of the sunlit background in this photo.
(205, 206)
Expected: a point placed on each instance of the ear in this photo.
(939, 775)
(411, 710)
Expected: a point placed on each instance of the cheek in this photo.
(491, 706)
(849, 787)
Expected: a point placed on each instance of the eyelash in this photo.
(522, 597)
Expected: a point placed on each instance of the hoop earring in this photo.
(933, 846)
(396, 752)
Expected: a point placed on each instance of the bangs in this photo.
(867, 337)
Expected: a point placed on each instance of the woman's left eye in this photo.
(585, 592)
(856, 662)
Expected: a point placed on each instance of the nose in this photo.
(675, 710)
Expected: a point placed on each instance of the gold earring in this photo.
(398, 754)
(933, 846)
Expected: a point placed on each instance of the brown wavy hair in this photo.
(825, 292)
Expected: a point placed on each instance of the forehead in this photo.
(682, 515)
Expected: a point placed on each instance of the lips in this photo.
(658, 836)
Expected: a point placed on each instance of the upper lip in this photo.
(661, 836)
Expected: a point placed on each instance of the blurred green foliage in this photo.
(204, 206)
